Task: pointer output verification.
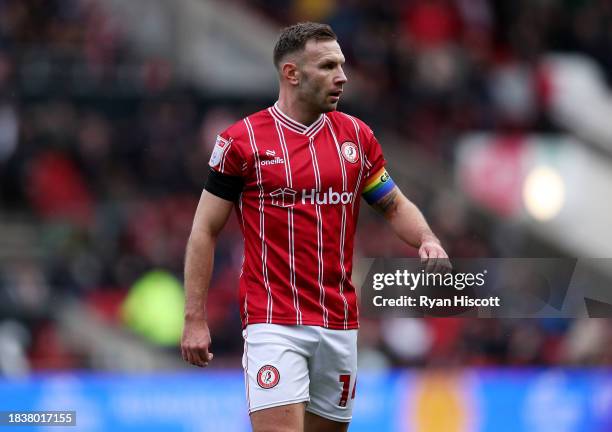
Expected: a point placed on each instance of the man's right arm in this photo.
(211, 215)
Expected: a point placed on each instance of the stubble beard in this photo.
(315, 98)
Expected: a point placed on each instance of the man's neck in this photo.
(296, 110)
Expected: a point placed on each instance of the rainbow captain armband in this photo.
(379, 185)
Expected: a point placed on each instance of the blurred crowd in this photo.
(103, 155)
(433, 68)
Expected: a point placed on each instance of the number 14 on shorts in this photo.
(345, 379)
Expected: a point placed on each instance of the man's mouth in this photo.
(335, 95)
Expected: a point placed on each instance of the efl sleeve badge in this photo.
(217, 152)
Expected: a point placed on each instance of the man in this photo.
(295, 173)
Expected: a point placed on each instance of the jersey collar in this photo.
(294, 125)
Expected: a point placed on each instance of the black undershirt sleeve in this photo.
(224, 186)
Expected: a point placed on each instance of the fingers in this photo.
(197, 356)
(205, 357)
(435, 258)
(429, 255)
(195, 343)
(426, 254)
(445, 265)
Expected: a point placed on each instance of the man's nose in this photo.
(341, 77)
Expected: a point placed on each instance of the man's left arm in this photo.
(410, 225)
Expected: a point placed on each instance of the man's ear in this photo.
(290, 72)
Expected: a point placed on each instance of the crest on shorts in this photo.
(349, 152)
(268, 376)
(217, 152)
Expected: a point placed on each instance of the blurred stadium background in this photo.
(496, 119)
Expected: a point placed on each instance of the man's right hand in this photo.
(196, 343)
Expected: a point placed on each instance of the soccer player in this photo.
(295, 173)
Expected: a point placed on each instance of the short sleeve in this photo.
(377, 182)
(227, 168)
(374, 159)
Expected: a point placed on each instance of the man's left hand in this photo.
(434, 257)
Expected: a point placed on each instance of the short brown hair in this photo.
(294, 38)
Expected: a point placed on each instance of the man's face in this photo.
(321, 77)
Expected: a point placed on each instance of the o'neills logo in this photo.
(328, 197)
(285, 197)
(276, 160)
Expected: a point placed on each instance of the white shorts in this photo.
(289, 364)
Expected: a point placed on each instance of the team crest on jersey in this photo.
(349, 152)
(268, 376)
(217, 152)
(283, 197)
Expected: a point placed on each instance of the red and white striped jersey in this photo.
(298, 213)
